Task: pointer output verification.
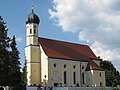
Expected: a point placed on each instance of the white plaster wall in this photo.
(28, 60)
(98, 78)
(44, 67)
(28, 73)
(31, 26)
(31, 38)
(27, 54)
(32, 56)
(94, 78)
(89, 78)
(60, 70)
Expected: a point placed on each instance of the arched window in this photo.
(74, 77)
(83, 78)
(65, 77)
(34, 31)
(100, 74)
(30, 31)
(100, 84)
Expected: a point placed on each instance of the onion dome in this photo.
(32, 18)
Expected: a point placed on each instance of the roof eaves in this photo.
(69, 59)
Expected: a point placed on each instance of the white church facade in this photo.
(53, 62)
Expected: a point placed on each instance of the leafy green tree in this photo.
(111, 74)
(15, 63)
(4, 54)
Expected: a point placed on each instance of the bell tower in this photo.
(32, 23)
(32, 50)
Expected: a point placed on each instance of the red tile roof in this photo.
(93, 66)
(65, 50)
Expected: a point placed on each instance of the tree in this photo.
(4, 54)
(111, 74)
(15, 64)
(118, 77)
(9, 58)
(24, 74)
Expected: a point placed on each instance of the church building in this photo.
(59, 63)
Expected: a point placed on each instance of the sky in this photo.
(92, 22)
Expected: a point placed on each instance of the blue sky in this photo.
(92, 22)
(14, 13)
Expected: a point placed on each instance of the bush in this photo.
(115, 88)
(102, 88)
(19, 86)
(1, 88)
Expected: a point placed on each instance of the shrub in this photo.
(19, 86)
(115, 88)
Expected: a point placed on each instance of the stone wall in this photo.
(83, 88)
(75, 88)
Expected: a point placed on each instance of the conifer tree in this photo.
(4, 54)
(15, 63)
(24, 74)
(9, 58)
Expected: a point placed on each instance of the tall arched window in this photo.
(100, 84)
(65, 77)
(30, 31)
(34, 31)
(74, 77)
(83, 78)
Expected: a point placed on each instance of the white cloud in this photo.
(104, 52)
(97, 21)
(18, 39)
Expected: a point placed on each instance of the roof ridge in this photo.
(64, 41)
(68, 48)
(55, 49)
